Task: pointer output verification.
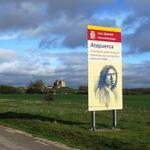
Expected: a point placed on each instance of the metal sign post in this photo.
(93, 121)
(114, 119)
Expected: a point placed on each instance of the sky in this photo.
(47, 39)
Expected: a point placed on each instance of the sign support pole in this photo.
(93, 121)
(114, 121)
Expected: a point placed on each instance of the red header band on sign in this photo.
(99, 35)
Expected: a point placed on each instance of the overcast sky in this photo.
(47, 39)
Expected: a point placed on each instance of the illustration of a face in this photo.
(108, 77)
(111, 77)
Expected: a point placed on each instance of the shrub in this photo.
(83, 90)
(36, 87)
(4, 89)
(64, 90)
(49, 97)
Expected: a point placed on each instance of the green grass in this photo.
(67, 120)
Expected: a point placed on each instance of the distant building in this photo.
(59, 84)
(48, 87)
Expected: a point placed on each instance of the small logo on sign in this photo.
(92, 34)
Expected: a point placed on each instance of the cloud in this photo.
(139, 8)
(48, 43)
(25, 14)
(24, 68)
(72, 68)
(136, 75)
(138, 21)
(74, 33)
(139, 40)
(62, 24)
(78, 36)
(39, 31)
(65, 19)
(8, 36)
(6, 54)
(20, 15)
(21, 72)
(73, 9)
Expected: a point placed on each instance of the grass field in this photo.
(67, 120)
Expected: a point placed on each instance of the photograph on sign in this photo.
(104, 68)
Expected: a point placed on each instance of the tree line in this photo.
(39, 87)
(136, 91)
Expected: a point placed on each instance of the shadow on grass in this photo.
(86, 140)
(26, 116)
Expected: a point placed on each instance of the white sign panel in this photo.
(104, 68)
